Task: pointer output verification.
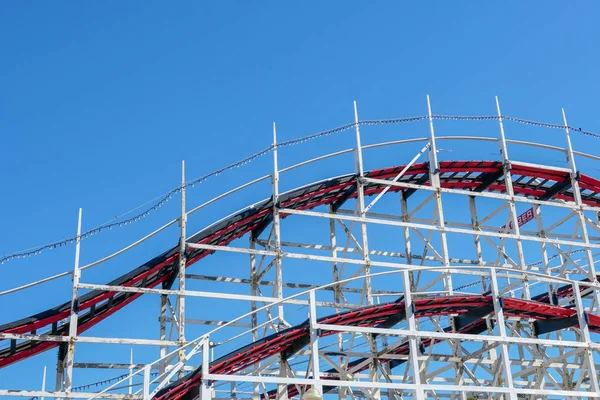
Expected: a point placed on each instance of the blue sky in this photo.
(100, 101)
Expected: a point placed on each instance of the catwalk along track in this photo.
(530, 181)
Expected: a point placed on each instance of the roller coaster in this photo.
(527, 331)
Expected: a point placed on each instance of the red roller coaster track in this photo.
(529, 181)
(472, 310)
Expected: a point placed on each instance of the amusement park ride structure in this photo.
(444, 292)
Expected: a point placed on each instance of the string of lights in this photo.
(535, 264)
(99, 383)
(552, 126)
(53, 245)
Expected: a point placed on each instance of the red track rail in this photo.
(297, 336)
(468, 175)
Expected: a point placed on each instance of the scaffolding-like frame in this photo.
(514, 376)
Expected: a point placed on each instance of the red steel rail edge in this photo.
(528, 181)
(472, 309)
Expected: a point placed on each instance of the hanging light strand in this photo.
(99, 383)
(163, 200)
(535, 264)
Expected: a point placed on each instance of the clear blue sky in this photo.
(100, 101)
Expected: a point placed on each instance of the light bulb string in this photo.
(99, 383)
(535, 264)
(34, 251)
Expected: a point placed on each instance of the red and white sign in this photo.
(521, 219)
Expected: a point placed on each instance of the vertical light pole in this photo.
(164, 299)
(511, 203)
(43, 383)
(205, 384)
(73, 318)
(314, 342)
(580, 214)
(434, 179)
(253, 307)
(130, 370)
(412, 340)
(182, 264)
(500, 322)
(277, 231)
(585, 336)
(360, 199)
(360, 202)
(282, 392)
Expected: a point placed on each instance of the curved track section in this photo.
(470, 310)
(473, 322)
(530, 181)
